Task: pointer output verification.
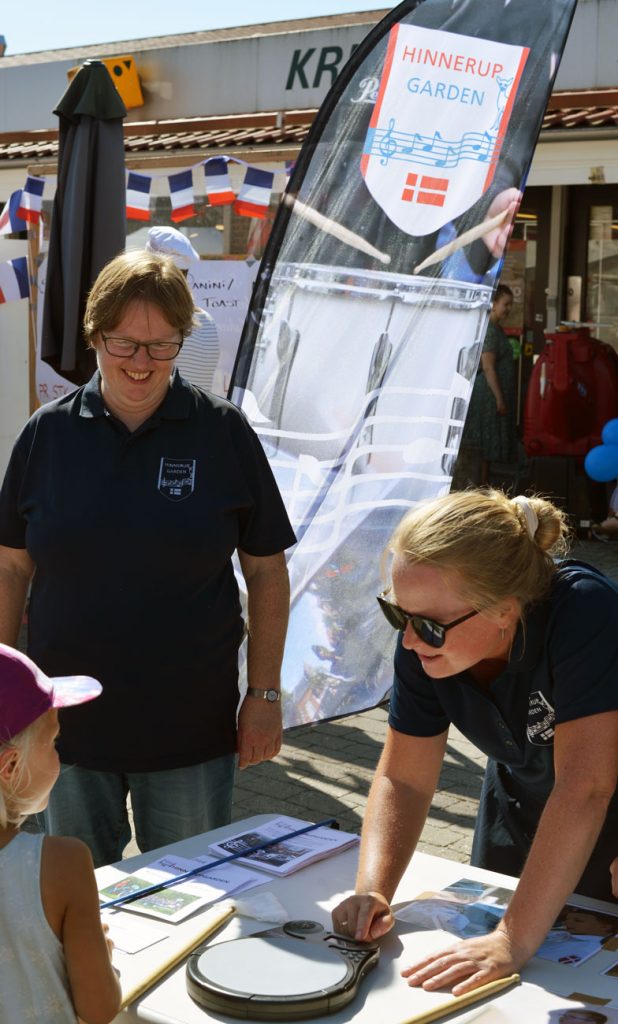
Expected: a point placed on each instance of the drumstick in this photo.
(468, 236)
(459, 1002)
(161, 968)
(332, 227)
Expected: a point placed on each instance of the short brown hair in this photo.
(482, 536)
(142, 277)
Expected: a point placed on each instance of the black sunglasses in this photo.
(429, 631)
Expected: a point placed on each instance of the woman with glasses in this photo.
(520, 652)
(124, 503)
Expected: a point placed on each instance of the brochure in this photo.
(176, 902)
(282, 858)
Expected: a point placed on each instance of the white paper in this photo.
(130, 935)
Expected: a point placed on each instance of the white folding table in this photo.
(384, 997)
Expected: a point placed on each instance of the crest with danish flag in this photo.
(438, 125)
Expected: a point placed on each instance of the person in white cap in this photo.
(198, 358)
(56, 958)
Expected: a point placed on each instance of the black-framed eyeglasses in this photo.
(429, 631)
(122, 348)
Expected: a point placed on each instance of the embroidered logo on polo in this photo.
(541, 720)
(176, 478)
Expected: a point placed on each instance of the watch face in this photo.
(272, 696)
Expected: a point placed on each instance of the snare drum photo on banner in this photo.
(367, 321)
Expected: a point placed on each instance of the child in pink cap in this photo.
(55, 959)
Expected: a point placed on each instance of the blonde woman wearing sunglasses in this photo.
(519, 650)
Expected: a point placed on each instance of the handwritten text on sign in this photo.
(440, 118)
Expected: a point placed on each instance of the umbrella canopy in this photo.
(89, 219)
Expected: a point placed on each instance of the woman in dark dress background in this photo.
(490, 422)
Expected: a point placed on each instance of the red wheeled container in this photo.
(572, 393)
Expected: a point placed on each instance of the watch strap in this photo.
(270, 694)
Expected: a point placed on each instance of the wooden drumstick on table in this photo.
(162, 966)
(332, 227)
(458, 243)
(460, 1002)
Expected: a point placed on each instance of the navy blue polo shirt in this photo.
(132, 535)
(563, 666)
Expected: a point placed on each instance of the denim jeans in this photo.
(167, 806)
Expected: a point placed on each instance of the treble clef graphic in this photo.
(388, 146)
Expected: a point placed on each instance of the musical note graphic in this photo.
(431, 150)
(388, 146)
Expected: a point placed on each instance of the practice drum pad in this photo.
(288, 973)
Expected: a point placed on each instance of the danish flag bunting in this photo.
(14, 280)
(10, 221)
(138, 196)
(218, 186)
(31, 200)
(254, 196)
(181, 194)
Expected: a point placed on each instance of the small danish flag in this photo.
(429, 192)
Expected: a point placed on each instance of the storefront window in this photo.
(602, 273)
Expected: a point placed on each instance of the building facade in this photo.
(251, 93)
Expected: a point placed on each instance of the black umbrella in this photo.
(89, 214)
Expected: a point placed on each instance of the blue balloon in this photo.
(609, 434)
(601, 463)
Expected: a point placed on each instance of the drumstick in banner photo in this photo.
(332, 227)
(478, 231)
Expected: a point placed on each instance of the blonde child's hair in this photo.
(13, 808)
(484, 538)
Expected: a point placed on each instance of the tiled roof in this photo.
(586, 109)
(272, 131)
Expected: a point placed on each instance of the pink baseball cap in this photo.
(26, 692)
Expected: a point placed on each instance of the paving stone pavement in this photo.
(325, 770)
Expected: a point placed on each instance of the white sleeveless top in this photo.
(199, 355)
(33, 978)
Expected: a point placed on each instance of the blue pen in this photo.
(130, 897)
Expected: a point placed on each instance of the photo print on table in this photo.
(578, 933)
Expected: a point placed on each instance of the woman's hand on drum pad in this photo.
(364, 917)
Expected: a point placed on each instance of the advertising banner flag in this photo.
(423, 177)
(366, 324)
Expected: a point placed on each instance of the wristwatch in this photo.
(272, 696)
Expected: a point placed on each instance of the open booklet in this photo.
(282, 858)
(178, 901)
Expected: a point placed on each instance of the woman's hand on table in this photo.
(259, 731)
(613, 870)
(364, 917)
(467, 964)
